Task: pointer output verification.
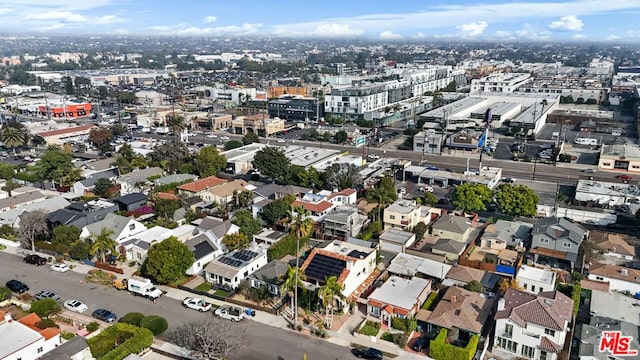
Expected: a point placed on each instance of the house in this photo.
(351, 264)
(205, 247)
(406, 214)
(22, 339)
(454, 227)
(136, 180)
(613, 245)
(74, 349)
(88, 184)
(275, 191)
(174, 179)
(615, 305)
(449, 248)
(462, 275)
(12, 216)
(462, 312)
(532, 326)
(342, 222)
(81, 214)
(217, 226)
(505, 233)
(316, 204)
(343, 197)
(18, 200)
(398, 297)
(136, 246)
(223, 193)
(411, 265)
(535, 280)
(122, 227)
(620, 278)
(272, 275)
(131, 201)
(230, 269)
(590, 335)
(268, 236)
(396, 240)
(95, 166)
(198, 187)
(556, 240)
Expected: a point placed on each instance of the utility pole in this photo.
(444, 131)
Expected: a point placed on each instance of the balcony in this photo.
(531, 334)
(405, 222)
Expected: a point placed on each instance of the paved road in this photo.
(265, 342)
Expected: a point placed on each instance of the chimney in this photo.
(7, 317)
(453, 299)
(501, 304)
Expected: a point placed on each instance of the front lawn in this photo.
(370, 328)
(204, 287)
(222, 293)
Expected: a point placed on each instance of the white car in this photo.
(196, 304)
(75, 306)
(60, 267)
(224, 138)
(212, 136)
(281, 140)
(402, 191)
(428, 189)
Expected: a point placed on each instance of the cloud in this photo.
(121, 32)
(107, 19)
(569, 23)
(4, 11)
(209, 19)
(579, 36)
(472, 29)
(390, 35)
(502, 34)
(419, 35)
(613, 37)
(322, 30)
(65, 16)
(51, 27)
(531, 32)
(184, 29)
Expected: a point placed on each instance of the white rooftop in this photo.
(15, 336)
(409, 265)
(400, 292)
(535, 274)
(615, 306)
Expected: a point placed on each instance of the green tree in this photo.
(420, 229)
(516, 200)
(103, 244)
(341, 137)
(55, 163)
(12, 138)
(7, 171)
(167, 261)
(300, 222)
(232, 144)
(331, 290)
(157, 324)
(292, 281)
(474, 286)
(471, 197)
(250, 138)
(133, 318)
(166, 207)
(68, 86)
(236, 241)
(64, 236)
(171, 156)
(176, 124)
(101, 138)
(276, 210)
(80, 249)
(248, 225)
(383, 193)
(102, 186)
(271, 162)
(430, 198)
(209, 162)
(45, 308)
(342, 176)
(38, 140)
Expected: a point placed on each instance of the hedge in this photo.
(133, 318)
(575, 295)
(440, 350)
(406, 325)
(286, 246)
(431, 300)
(104, 345)
(157, 324)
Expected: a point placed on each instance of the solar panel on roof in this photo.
(322, 267)
(230, 261)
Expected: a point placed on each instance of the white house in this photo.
(123, 227)
(22, 340)
(619, 278)
(534, 280)
(532, 326)
(235, 266)
(206, 247)
(135, 247)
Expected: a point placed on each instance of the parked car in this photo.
(104, 315)
(196, 304)
(589, 171)
(428, 189)
(402, 191)
(75, 306)
(431, 167)
(420, 344)
(508, 180)
(17, 286)
(46, 294)
(34, 259)
(367, 353)
(60, 267)
(624, 177)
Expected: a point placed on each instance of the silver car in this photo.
(46, 294)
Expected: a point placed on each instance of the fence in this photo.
(108, 267)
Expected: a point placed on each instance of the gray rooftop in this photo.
(19, 199)
(111, 221)
(508, 231)
(400, 292)
(174, 178)
(67, 350)
(449, 245)
(272, 273)
(396, 236)
(410, 265)
(615, 306)
(590, 335)
(452, 223)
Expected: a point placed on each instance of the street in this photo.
(263, 341)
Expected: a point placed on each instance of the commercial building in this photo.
(428, 142)
(505, 82)
(260, 124)
(295, 108)
(607, 193)
(620, 157)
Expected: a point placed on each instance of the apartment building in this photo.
(502, 83)
(405, 215)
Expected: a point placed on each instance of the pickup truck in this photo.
(196, 304)
(232, 313)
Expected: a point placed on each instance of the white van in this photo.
(586, 141)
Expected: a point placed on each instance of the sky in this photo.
(515, 20)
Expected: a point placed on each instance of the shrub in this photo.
(5, 293)
(430, 302)
(406, 325)
(370, 328)
(157, 324)
(439, 349)
(67, 335)
(119, 341)
(133, 318)
(286, 246)
(575, 296)
(92, 326)
(46, 323)
(45, 307)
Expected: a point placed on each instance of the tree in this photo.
(341, 137)
(102, 187)
(516, 200)
(236, 241)
(64, 236)
(590, 252)
(33, 225)
(271, 162)
(103, 244)
(430, 199)
(331, 290)
(383, 193)
(68, 86)
(420, 229)
(232, 144)
(166, 207)
(250, 138)
(248, 225)
(176, 124)
(471, 197)
(300, 222)
(276, 210)
(10, 186)
(101, 138)
(55, 164)
(45, 308)
(12, 138)
(507, 284)
(209, 162)
(167, 261)
(156, 324)
(474, 286)
(292, 281)
(37, 140)
(212, 338)
(170, 156)
(7, 171)
(342, 176)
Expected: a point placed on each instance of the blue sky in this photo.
(587, 20)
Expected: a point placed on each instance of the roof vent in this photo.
(624, 272)
(548, 302)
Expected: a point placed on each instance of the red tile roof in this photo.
(548, 345)
(345, 192)
(317, 208)
(594, 285)
(549, 309)
(166, 196)
(66, 131)
(202, 184)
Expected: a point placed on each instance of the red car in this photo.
(624, 177)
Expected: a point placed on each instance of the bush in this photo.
(45, 307)
(119, 341)
(286, 246)
(406, 325)
(157, 324)
(47, 323)
(67, 335)
(5, 293)
(430, 302)
(439, 349)
(92, 326)
(370, 328)
(575, 296)
(133, 318)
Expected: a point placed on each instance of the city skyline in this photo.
(411, 20)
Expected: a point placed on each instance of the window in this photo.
(533, 289)
(392, 217)
(544, 241)
(550, 332)
(543, 355)
(132, 226)
(524, 286)
(527, 351)
(508, 330)
(566, 244)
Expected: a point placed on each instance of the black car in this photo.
(34, 259)
(420, 344)
(367, 353)
(17, 287)
(104, 315)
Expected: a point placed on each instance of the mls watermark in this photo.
(617, 344)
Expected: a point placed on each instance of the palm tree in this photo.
(301, 225)
(380, 196)
(292, 281)
(103, 243)
(331, 290)
(177, 124)
(12, 137)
